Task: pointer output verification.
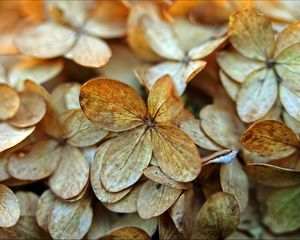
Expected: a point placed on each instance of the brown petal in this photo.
(71, 175)
(155, 174)
(70, 220)
(11, 136)
(235, 182)
(126, 158)
(193, 129)
(271, 175)
(27, 202)
(126, 233)
(37, 161)
(31, 111)
(44, 208)
(257, 95)
(101, 193)
(32, 86)
(163, 101)
(221, 125)
(26, 228)
(251, 34)
(115, 112)
(90, 52)
(37, 70)
(218, 217)
(236, 66)
(127, 204)
(79, 131)
(270, 139)
(176, 154)
(154, 199)
(9, 207)
(9, 101)
(167, 229)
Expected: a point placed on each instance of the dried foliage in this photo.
(170, 119)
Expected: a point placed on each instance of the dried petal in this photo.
(27, 202)
(70, 220)
(235, 182)
(44, 208)
(50, 40)
(154, 199)
(11, 136)
(175, 153)
(90, 52)
(71, 175)
(10, 101)
(126, 158)
(257, 95)
(38, 161)
(290, 100)
(270, 139)
(271, 175)
(101, 193)
(31, 110)
(218, 217)
(115, 112)
(9, 207)
(251, 34)
(126, 233)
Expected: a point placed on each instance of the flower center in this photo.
(148, 122)
(270, 63)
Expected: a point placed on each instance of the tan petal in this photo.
(251, 34)
(134, 220)
(90, 52)
(257, 95)
(32, 86)
(271, 139)
(44, 208)
(71, 175)
(4, 174)
(27, 202)
(36, 70)
(38, 161)
(206, 48)
(221, 125)
(70, 220)
(218, 217)
(180, 72)
(127, 204)
(31, 110)
(175, 153)
(282, 215)
(26, 228)
(231, 86)
(101, 193)
(154, 199)
(126, 158)
(11, 136)
(115, 112)
(290, 100)
(161, 39)
(155, 174)
(236, 66)
(193, 129)
(163, 101)
(235, 182)
(126, 233)
(47, 40)
(9, 207)
(9, 101)
(79, 131)
(287, 37)
(271, 175)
